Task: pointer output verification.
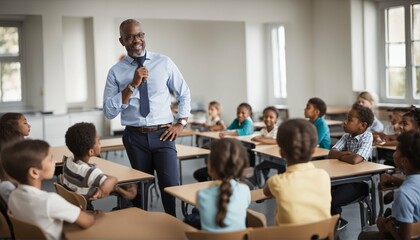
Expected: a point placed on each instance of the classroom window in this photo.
(279, 62)
(401, 46)
(10, 63)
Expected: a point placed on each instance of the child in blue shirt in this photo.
(243, 124)
(315, 110)
(223, 206)
(406, 206)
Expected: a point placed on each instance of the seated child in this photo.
(302, 192)
(82, 177)
(269, 133)
(391, 132)
(13, 128)
(11, 125)
(366, 99)
(30, 162)
(405, 209)
(354, 147)
(214, 121)
(222, 207)
(410, 123)
(315, 110)
(243, 124)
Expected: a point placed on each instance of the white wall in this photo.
(332, 52)
(318, 46)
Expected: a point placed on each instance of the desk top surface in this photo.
(340, 169)
(188, 192)
(123, 173)
(274, 151)
(184, 152)
(386, 147)
(215, 135)
(187, 152)
(131, 223)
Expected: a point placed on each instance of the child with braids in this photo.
(223, 206)
(302, 192)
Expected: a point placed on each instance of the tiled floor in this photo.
(350, 213)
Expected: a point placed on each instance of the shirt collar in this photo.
(360, 136)
(29, 188)
(300, 167)
(134, 61)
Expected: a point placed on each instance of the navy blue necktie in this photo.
(144, 95)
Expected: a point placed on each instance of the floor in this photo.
(350, 213)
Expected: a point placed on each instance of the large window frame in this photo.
(16, 58)
(276, 59)
(410, 73)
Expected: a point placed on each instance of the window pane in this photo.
(396, 55)
(416, 53)
(10, 82)
(416, 86)
(9, 41)
(396, 82)
(279, 62)
(395, 25)
(416, 22)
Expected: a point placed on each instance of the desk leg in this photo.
(145, 194)
(184, 208)
(373, 196)
(180, 171)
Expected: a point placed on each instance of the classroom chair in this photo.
(23, 230)
(204, 235)
(415, 230)
(5, 231)
(72, 197)
(324, 229)
(4, 209)
(255, 219)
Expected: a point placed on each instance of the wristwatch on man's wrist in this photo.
(183, 122)
(131, 87)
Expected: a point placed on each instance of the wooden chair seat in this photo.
(324, 229)
(203, 235)
(24, 230)
(255, 219)
(72, 197)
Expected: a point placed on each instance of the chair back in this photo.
(415, 230)
(255, 219)
(5, 231)
(24, 230)
(324, 229)
(72, 197)
(5, 218)
(203, 235)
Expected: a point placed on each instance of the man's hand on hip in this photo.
(171, 132)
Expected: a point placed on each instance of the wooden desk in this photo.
(188, 193)
(392, 148)
(259, 125)
(341, 172)
(131, 223)
(189, 153)
(125, 175)
(270, 152)
(246, 140)
(183, 152)
(333, 122)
